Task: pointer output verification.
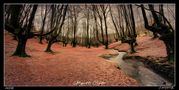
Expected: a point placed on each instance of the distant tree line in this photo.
(85, 25)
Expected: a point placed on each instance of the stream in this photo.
(136, 69)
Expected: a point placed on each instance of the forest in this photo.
(89, 45)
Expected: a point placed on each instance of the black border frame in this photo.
(70, 1)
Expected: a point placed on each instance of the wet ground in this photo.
(139, 71)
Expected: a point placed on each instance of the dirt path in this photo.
(153, 53)
(67, 67)
(137, 70)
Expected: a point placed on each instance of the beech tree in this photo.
(94, 9)
(165, 30)
(43, 21)
(131, 35)
(114, 23)
(102, 12)
(58, 13)
(19, 22)
(14, 24)
(74, 13)
(87, 27)
(104, 9)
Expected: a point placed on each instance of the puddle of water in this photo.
(138, 71)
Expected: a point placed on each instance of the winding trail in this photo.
(66, 67)
(138, 71)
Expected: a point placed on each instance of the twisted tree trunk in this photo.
(166, 35)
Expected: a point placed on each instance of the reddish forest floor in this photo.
(70, 66)
(66, 67)
(147, 46)
(152, 52)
